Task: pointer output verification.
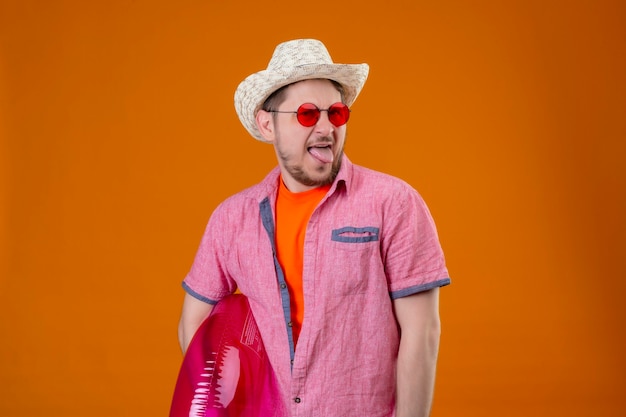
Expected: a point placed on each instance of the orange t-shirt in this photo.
(293, 211)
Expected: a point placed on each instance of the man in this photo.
(341, 264)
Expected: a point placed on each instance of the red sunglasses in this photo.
(308, 114)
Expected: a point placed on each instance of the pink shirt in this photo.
(370, 240)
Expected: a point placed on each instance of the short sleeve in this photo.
(208, 279)
(413, 257)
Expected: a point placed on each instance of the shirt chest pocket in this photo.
(354, 238)
(354, 259)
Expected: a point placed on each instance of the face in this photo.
(308, 156)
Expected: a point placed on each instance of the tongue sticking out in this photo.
(324, 155)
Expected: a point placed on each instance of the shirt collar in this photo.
(269, 185)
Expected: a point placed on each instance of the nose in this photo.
(323, 126)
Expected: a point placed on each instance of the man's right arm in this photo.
(193, 314)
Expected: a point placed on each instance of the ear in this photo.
(265, 124)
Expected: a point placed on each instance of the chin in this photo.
(314, 176)
(326, 178)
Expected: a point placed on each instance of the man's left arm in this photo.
(420, 327)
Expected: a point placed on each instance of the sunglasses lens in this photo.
(338, 114)
(308, 114)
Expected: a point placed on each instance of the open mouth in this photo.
(322, 152)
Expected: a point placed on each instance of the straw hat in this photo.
(293, 61)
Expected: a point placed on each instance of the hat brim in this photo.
(256, 88)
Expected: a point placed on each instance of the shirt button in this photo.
(290, 324)
(297, 400)
(283, 286)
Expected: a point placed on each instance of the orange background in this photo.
(119, 137)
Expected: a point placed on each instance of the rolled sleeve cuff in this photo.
(405, 292)
(194, 294)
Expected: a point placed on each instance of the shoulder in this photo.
(391, 197)
(376, 183)
(251, 196)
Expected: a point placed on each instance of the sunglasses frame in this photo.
(338, 108)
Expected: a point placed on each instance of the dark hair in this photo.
(277, 97)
